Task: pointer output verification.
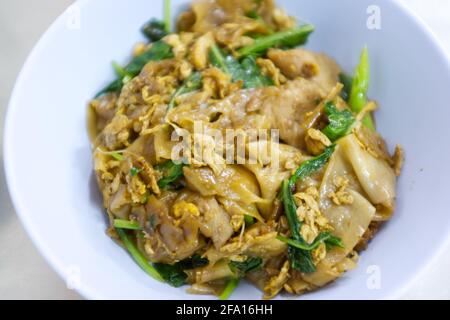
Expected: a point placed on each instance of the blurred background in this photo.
(23, 272)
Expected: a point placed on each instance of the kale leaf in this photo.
(340, 122)
(171, 172)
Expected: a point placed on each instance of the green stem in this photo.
(323, 237)
(360, 87)
(167, 16)
(118, 156)
(290, 38)
(138, 256)
(230, 287)
(219, 59)
(126, 224)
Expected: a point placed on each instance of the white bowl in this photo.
(48, 159)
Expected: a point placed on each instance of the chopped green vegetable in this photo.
(134, 171)
(346, 80)
(309, 167)
(126, 224)
(285, 39)
(167, 15)
(171, 172)
(251, 74)
(340, 122)
(158, 51)
(138, 256)
(192, 83)
(247, 71)
(360, 86)
(118, 156)
(325, 237)
(253, 15)
(300, 259)
(333, 241)
(225, 62)
(242, 268)
(120, 71)
(196, 261)
(114, 86)
(230, 287)
(249, 220)
(154, 30)
(174, 274)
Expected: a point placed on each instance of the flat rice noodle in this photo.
(271, 174)
(375, 175)
(234, 183)
(349, 222)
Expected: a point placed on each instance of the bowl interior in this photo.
(48, 159)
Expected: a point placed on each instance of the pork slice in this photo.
(317, 67)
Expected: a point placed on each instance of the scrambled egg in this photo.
(308, 212)
(316, 141)
(341, 196)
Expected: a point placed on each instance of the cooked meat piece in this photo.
(317, 67)
(286, 107)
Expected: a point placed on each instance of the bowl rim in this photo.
(38, 241)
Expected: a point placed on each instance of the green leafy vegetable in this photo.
(346, 80)
(192, 83)
(251, 74)
(138, 256)
(174, 274)
(253, 15)
(325, 237)
(301, 259)
(134, 171)
(155, 30)
(225, 62)
(118, 156)
(333, 241)
(158, 51)
(120, 71)
(114, 86)
(340, 122)
(360, 86)
(196, 261)
(285, 39)
(242, 268)
(126, 224)
(249, 220)
(171, 172)
(247, 71)
(309, 167)
(230, 287)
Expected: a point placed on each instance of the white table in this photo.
(23, 272)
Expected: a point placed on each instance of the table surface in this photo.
(24, 274)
